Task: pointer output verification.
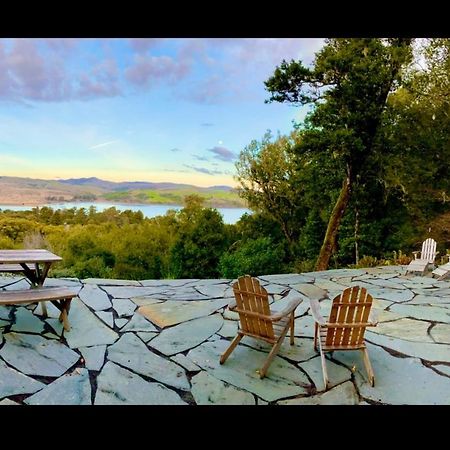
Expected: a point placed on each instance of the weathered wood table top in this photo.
(27, 256)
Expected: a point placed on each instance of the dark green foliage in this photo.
(253, 257)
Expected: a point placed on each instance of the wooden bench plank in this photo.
(60, 297)
(35, 295)
(11, 268)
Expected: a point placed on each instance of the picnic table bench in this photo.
(60, 297)
(29, 263)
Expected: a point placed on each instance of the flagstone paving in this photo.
(158, 342)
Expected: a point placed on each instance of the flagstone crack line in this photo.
(14, 282)
(430, 365)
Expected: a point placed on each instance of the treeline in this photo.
(193, 242)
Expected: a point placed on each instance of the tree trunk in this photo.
(329, 241)
(356, 237)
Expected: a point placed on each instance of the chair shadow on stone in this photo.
(256, 319)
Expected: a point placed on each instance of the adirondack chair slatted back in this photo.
(251, 296)
(428, 250)
(350, 312)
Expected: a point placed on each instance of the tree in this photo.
(265, 172)
(348, 86)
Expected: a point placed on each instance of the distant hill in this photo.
(29, 191)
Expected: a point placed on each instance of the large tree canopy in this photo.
(349, 85)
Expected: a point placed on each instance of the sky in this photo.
(139, 109)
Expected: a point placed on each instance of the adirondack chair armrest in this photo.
(232, 304)
(315, 310)
(373, 318)
(415, 254)
(284, 312)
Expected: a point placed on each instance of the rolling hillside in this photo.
(28, 191)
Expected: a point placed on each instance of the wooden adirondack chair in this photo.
(442, 272)
(427, 256)
(256, 320)
(345, 328)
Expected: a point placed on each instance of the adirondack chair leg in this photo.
(292, 328)
(273, 352)
(324, 367)
(368, 366)
(316, 328)
(232, 346)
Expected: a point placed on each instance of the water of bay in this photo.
(230, 215)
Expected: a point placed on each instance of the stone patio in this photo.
(157, 342)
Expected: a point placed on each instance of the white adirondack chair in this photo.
(427, 256)
(442, 272)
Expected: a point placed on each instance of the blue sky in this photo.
(156, 109)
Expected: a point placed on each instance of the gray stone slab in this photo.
(335, 273)
(87, 329)
(336, 374)
(147, 336)
(304, 326)
(442, 368)
(94, 297)
(185, 362)
(189, 334)
(302, 349)
(344, 394)
(229, 329)
(441, 333)
(131, 352)
(119, 386)
(22, 284)
(410, 330)
(230, 315)
(329, 285)
(310, 290)
(4, 323)
(173, 312)
(110, 282)
(187, 294)
(62, 282)
(208, 390)
(13, 382)
(5, 312)
(394, 295)
(138, 323)
(128, 291)
(213, 291)
(426, 351)
(8, 402)
(70, 389)
(52, 311)
(421, 299)
(282, 380)
(145, 300)
(35, 355)
(26, 321)
(56, 325)
(288, 278)
(383, 283)
(423, 312)
(400, 381)
(124, 307)
(107, 317)
(121, 322)
(94, 357)
(170, 283)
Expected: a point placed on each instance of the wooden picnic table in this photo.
(34, 264)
